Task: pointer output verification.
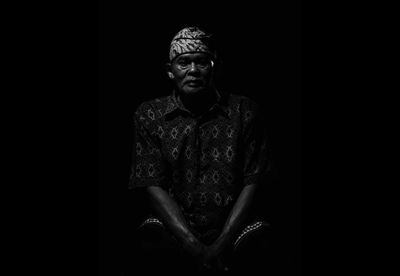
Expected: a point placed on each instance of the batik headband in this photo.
(191, 40)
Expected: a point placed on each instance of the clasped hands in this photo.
(210, 258)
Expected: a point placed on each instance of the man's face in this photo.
(192, 72)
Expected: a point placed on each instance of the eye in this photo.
(204, 62)
(182, 62)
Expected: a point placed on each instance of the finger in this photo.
(207, 266)
(221, 266)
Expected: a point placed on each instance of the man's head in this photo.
(192, 58)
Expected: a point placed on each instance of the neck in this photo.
(200, 102)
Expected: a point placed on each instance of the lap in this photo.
(254, 233)
(157, 245)
(158, 251)
(152, 235)
(255, 250)
(153, 231)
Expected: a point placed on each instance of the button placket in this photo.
(197, 145)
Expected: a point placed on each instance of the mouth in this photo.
(194, 83)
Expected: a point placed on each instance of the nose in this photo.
(193, 68)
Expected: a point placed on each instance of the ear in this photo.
(216, 65)
(169, 72)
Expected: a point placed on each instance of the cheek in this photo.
(179, 78)
(178, 75)
(179, 81)
(207, 75)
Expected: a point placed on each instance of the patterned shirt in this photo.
(203, 162)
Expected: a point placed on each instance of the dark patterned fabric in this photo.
(202, 162)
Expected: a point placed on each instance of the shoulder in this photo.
(243, 103)
(150, 113)
(152, 109)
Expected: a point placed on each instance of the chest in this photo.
(190, 141)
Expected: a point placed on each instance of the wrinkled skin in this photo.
(192, 73)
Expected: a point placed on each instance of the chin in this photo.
(193, 91)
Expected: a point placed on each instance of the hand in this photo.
(213, 259)
(194, 248)
(206, 257)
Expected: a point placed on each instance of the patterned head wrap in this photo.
(189, 40)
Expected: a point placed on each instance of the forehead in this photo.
(193, 56)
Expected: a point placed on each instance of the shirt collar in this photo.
(175, 105)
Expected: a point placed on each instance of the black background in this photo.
(53, 114)
(260, 49)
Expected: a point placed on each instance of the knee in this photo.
(254, 252)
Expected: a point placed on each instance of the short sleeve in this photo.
(257, 154)
(148, 166)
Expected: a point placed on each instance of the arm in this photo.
(255, 166)
(236, 218)
(147, 152)
(233, 224)
(169, 212)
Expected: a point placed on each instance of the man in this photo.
(200, 155)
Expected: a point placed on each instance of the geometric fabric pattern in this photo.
(203, 162)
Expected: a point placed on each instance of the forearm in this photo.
(169, 212)
(237, 216)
